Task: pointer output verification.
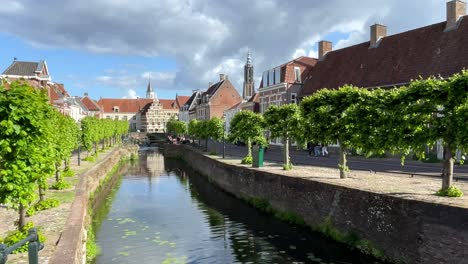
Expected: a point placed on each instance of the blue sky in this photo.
(108, 48)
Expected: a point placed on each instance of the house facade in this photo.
(218, 98)
(187, 111)
(392, 61)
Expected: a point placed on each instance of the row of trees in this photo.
(104, 131)
(35, 139)
(402, 120)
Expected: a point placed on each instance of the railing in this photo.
(33, 248)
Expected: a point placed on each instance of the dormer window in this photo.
(297, 74)
(115, 109)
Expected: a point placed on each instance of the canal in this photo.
(162, 212)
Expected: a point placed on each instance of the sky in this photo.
(109, 48)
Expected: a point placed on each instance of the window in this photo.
(265, 79)
(134, 117)
(116, 117)
(297, 73)
(115, 109)
(125, 118)
(108, 117)
(277, 75)
(293, 98)
(271, 77)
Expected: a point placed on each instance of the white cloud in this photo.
(131, 94)
(206, 37)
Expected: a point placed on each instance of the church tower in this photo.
(249, 84)
(149, 91)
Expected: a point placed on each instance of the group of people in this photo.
(318, 149)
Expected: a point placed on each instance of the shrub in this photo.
(288, 166)
(90, 159)
(68, 173)
(213, 153)
(247, 160)
(451, 191)
(17, 235)
(42, 205)
(61, 185)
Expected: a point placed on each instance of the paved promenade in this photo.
(389, 165)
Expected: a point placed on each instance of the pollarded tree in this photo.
(176, 127)
(25, 146)
(283, 121)
(433, 109)
(216, 129)
(324, 116)
(248, 127)
(204, 131)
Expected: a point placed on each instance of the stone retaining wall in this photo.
(71, 248)
(404, 230)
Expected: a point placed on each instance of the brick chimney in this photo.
(222, 77)
(377, 32)
(324, 48)
(86, 94)
(455, 10)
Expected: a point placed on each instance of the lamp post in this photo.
(224, 137)
(79, 149)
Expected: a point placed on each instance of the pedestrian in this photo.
(317, 150)
(309, 148)
(325, 150)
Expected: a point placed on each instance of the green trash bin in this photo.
(257, 156)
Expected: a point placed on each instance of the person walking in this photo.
(317, 150)
(325, 150)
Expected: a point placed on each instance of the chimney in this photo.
(222, 77)
(85, 94)
(377, 32)
(209, 85)
(324, 48)
(455, 10)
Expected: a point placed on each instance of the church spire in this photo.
(149, 90)
(249, 84)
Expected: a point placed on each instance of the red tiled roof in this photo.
(132, 105)
(124, 105)
(168, 104)
(61, 89)
(423, 52)
(181, 100)
(53, 95)
(90, 104)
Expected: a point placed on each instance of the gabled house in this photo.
(92, 107)
(37, 72)
(282, 84)
(391, 61)
(187, 111)
(218, 98)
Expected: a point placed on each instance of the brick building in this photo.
(218, 98)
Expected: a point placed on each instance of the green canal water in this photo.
(162, 212)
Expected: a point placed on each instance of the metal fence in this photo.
(33, 248)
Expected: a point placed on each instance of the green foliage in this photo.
(176, 127)
(17, 235)
(247, 160)
(68, 173)
(284, 121)
(216, 128)
(92, 249)
(451, 191)
(193, 128)
(42, 205)
(213, 153)
(248, 127)
(287, 166)
(61, 185)
(26, 155)
(91, 158)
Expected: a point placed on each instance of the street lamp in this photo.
(224, 136)
(79, 149)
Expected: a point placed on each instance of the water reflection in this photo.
(165, 213)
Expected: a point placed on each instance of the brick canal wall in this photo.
(71, 248)
(406, 231)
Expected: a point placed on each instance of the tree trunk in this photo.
(249, 148)
(95, 148)
(343, 163)
(21, 220)
(102, 144)
(57, 172)
(286, 159)
(206, 144)
(447, 171)
(41, 193)
(65, 165)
